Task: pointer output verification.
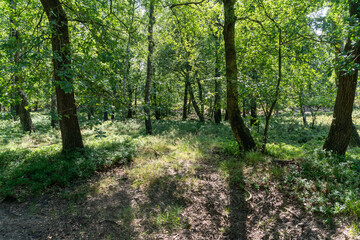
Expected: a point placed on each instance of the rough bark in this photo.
(149, 70)
(241, 132)
(341, 125)
(66, 107)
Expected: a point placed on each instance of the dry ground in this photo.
(108, 206)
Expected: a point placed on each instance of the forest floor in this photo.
(182, 183)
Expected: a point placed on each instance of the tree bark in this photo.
(241, 132)
(341, 126)
(149, 71)
(21, 107)
(69, 124)
(53, 108)
(355, 138)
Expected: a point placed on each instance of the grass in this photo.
(325, 184)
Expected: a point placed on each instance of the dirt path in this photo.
(210, 209)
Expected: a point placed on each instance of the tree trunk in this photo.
(23, 113)
(355, 138)
(253, 112)
(106, 116)
(202, 106)
(130, 109)
(277, 91)
(36, 106)
(69, 124)
(192, 96)
(21, 107)
(241, 132)
(149, 71)
(185, 104)
(301, 104)
(341, 126)
(53, 108)
(217, 101)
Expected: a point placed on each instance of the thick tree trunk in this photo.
(341, 126)
(69, 124)
(185, 104)
(241, 132)
(149, 71)
(355, 138)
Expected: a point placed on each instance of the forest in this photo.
(179, 119)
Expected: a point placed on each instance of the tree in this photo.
(21, 104)
(341, 125)
(241, 132)
(149, 70)
(66, 107)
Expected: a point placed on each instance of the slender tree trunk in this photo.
(69, 124)
(201, 98)
(217, 101)
(192, 96)
(301, 105)
(277, 92)
(106, 116)
(22, 107)
(253, 112)
(149, 73)
(341, 126)
(241, 132)
(185, 104)
(130, 109)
